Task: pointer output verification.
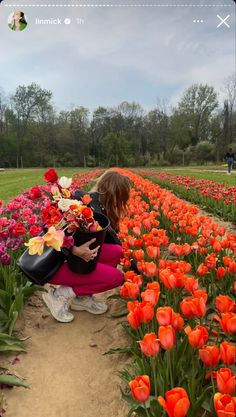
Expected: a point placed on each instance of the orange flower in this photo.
(153, 252)
(129, 290)
(138, 255)
(150, 269)
(150, 345)
(164, 316)
(198, 336)
(220, 272)
(54, 238)
(177, 321)
(201, 294)
(176, 402)
(166, 335)
(224, 304)
(210, 261)
(171, 279)
(150, 295)
(86, 199)
(87, 212)
(210, 355)
(153, 286)
(146, 311)
(193, 307)
(140, 388)
(202, 270)
(225, 380)
(227, 353)
(191, 284)
(227, 322)
(225, 405)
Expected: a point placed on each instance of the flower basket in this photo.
(77, 264)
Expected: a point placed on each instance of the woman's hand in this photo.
(84, 252)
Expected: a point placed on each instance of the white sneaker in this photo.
(58, 306)
(88, 303)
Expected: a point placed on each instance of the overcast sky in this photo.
(119, 53)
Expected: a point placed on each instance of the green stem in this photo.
(170, 368)
(213, 385)
(147, 412)
(153, 362)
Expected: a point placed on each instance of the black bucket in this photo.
(77, 264)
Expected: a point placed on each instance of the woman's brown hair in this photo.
(113, 189)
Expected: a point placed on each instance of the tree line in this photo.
(198, 130)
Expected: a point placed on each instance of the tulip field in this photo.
(217, 198)
(180, 302)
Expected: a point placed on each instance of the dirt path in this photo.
(64, 365)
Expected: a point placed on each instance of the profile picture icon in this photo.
(17, 21)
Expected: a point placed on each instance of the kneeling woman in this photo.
(76, 290)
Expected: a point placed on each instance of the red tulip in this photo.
(140, 388)
(166, 335)
(225, 405)
(225, 380)
(210, 355)
(198, 336)
(177, 321)
(150, 345)
(176, 402)
(227, 353)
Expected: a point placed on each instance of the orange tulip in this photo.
(150, 345)
(210, 261)
(225, 405)
(227, 353)
(227, 322)
(146, 311)
(150, 269)
(210, 355)
(193, 307)
(177, 321)
(225, 380)
(138, 255)
(164, 315)
(191, 284)
(198, 336)
(153, 252)
(140, 388)
(225, 304)
(153, 286)
(200, 294)
(166, 335)
(220, 272)
(202, 270)
(86, 199)
(176, 402)
(129, 290)
(150, 295)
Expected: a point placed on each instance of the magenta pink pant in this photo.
(105, 276)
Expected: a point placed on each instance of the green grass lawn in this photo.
(203, 172)
(15, 181)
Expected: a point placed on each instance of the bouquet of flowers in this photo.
(62, 216)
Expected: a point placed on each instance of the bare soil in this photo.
(68, 374)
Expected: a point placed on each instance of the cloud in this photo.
(118, 54)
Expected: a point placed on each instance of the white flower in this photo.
(65, 203)
(65, 182)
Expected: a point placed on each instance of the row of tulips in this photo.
(217, 198)
(20, 219)
(181, 311)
